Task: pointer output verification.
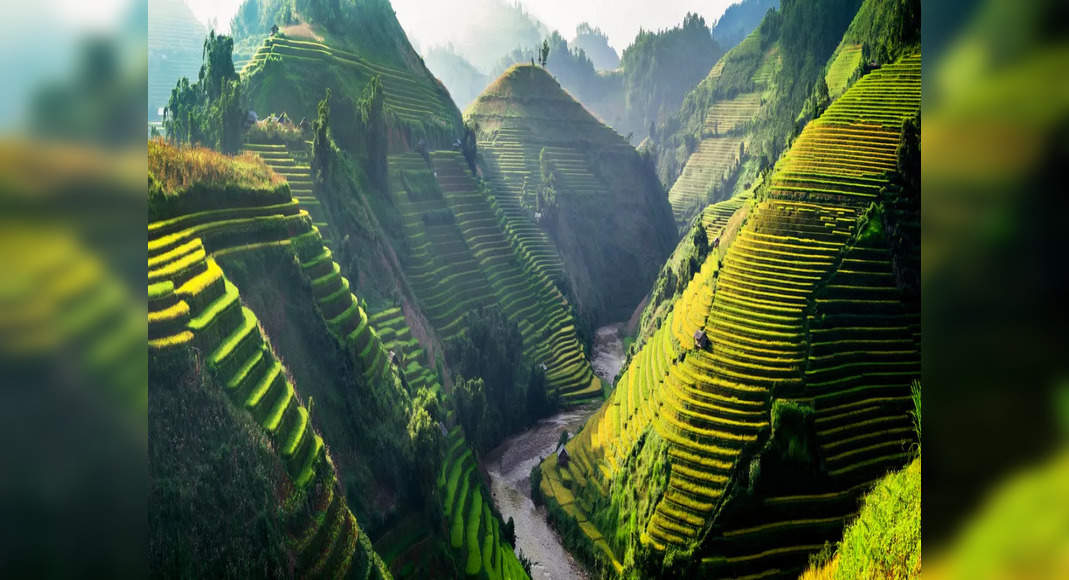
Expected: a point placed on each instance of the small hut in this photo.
(701, 340)
(562, 457)
(394, 360)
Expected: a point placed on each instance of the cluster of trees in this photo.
(211, 111)
(494, 393)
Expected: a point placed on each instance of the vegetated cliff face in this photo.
(598, 200)
(292, 70)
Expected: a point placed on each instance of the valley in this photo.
(403, 318)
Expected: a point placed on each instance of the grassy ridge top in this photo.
(185, 178)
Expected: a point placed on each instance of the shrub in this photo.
(271, 131)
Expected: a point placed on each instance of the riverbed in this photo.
(509, 466)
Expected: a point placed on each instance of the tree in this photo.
(508, 533)
(563, 438)
(321, 150)
(211, 111)
(373, 115)
(544, 55)
(427, 448)
(471, 408)
(218, 66)
(469, 144)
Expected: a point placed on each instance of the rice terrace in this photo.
(646, 304)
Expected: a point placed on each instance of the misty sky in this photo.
(619, 19)
(427, 21)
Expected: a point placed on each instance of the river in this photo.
(509, 466)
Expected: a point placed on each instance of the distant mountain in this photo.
(175, 40)
(463, 80)
(739, 20)
(595, 44)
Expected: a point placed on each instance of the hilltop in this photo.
(342, 49)
(577, 186)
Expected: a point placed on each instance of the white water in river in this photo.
(509, 466)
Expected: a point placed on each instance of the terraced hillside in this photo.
(530, 132)
(397, 338)
(846, 61)
(291, 75)
(810, 342)
(526, 295)
(844, 156)
(194, 306)
(460, 259)
(725, 135)
(293, 164)
(474, 526)
(511, 173)
(441, 268)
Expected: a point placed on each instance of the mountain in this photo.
(175, 40)
(767, 395)
(463, 80)
(660, 68)
(654, 74)
(324, 47)
(734, 124)
(739, 20)
(593, 198)
(595, 44)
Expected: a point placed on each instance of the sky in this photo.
(219, 11)
(619, 19)
(426, 21)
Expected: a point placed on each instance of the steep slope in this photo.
(735, 123)
(563, 180)
(292, 70)
(739, 20)
(460, 258)
(725, 133)
(199, 328)
(799, 400)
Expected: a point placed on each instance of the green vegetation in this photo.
(890, 518)
(475, 528)
(212, 110)
(660, 68)
(525, 112)
(291, 75)
(507, 396)
(182, 178)
(801, 400)
(739, 20)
